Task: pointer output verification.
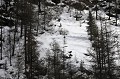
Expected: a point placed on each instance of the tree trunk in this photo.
(109, 10)
(116, 12)
(1, 42)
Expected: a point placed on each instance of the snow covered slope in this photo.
(76, 38)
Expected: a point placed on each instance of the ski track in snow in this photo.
(76, 39)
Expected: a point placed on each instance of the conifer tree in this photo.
(102, 53)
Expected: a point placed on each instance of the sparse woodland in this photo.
(59, 39)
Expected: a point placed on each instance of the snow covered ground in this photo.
(76, 38)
